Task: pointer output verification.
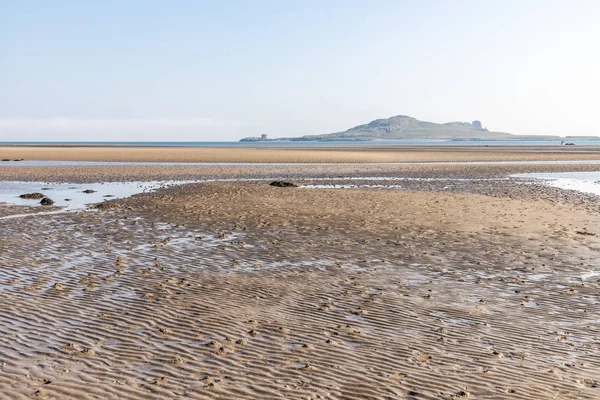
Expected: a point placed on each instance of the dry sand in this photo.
(240, 290)
(302, 155)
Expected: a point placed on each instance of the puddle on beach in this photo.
(73, 196)
(401, 178)
(341, 186)
(590, 274)
(583, 182)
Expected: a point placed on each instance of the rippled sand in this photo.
(241, 290)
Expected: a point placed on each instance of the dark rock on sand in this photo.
(282, 184)
(585, 233)
(32, 196)
(46, 201)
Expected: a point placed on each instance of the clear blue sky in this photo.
(194, 70)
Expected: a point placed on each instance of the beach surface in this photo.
(369, 281)
(369, 154)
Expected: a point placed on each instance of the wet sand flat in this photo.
(116, 173)
(475, 289)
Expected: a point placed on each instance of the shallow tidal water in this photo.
(583, 182)
(73, 196)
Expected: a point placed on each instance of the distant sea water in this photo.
(373, 143)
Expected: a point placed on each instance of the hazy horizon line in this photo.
(188, 129)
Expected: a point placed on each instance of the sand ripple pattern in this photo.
(114, 306)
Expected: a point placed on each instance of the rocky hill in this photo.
(402, 127)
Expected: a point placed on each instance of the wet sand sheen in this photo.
(241, 290)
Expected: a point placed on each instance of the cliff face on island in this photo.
(402, 127)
